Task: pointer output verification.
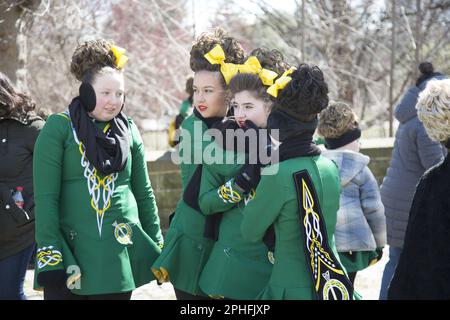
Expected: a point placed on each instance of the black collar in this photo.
(209, 122)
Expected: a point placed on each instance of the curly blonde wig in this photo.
(433, 109)
(336, 119)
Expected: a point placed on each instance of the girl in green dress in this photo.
(238, 268)
(186, 248)
(97, 224)
(301, 199)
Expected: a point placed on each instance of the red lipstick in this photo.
(201, 108)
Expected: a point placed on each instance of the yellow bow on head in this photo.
(121, 58)
(253, 66)
(280, 83)
(217, 56)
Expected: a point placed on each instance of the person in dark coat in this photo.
(413, 153)
(423, 271)
(19, 129)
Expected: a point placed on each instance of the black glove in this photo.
(248, 177)
(55, 279)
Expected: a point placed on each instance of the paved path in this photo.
(367, 284)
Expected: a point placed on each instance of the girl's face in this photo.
(249, 107)
(109, 91)
(209, 95)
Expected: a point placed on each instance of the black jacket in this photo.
(423, 271)
(17, 138)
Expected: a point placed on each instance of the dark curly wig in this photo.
(269, 59)
(234, 53)
(14, 103)
(90, 57)
(305, 95)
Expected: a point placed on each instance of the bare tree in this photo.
(13, 40)
(157, 44)
(350, 41)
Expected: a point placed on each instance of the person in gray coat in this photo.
(361, 225)
(413, 153)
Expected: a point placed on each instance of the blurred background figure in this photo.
(184, 112)
(19, 129)
(424, 265)
(413, 153)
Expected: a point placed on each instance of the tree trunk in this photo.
(391, 72)
(13, 48)
(418, 37)
(341, 54)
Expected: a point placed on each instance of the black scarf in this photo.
(250, 146)
(209, 122)
(301, 145)
(108, 153)
(192, 191)
(288, 126)
(296, 136)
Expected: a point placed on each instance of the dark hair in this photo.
(13, 102)
(90, 57)
(426, 72)
(426, 68)
(305, 95)
(234, 53)
(269, 59)
(190, 88)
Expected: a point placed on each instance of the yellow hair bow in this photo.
(121, 58)
(280, 83)
(217, 56)
(253, 66)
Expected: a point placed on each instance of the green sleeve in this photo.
(47, 167)
(217, 195)
(264, 209)
(142, 189)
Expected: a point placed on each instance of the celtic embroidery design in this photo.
(48, 256)
(227, 194)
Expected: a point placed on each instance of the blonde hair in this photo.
(336, 119)
(433, 109)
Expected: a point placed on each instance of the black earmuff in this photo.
(87, 97)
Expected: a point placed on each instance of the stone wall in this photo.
(166, 180)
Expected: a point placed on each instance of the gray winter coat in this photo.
(414, 152)
(361, 224)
